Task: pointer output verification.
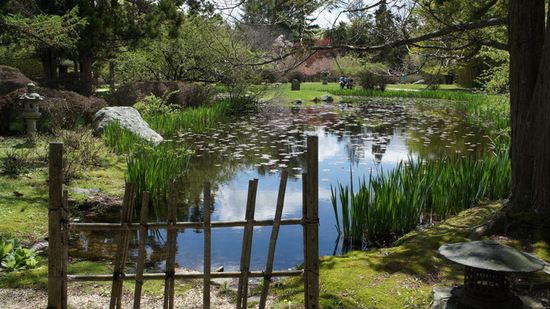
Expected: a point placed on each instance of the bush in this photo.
(81, 151)
(15, 163)
(372, 76)
(184, 94)
(11, 79)
(60, 109)
(296, 75)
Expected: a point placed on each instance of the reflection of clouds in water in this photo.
(232, 203)
(328, 147)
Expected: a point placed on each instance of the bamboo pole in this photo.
(77, 226)
(184, 276)
(312, 225)
(273, 240)
(171, 244)
(122, 246)
(242, 293)
(304, 237)
(65, 248)
(207, 246)
(141, 248)
(55, 268)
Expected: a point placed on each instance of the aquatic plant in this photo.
(120, 139)
(416, 192)
(150, 167)
(196, 119)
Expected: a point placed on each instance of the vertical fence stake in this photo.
(144, 214)
(122, 246)
(207, 246)
(273, 240)
(65, 248)
(311, 242)
(242, 295)
(55, 267)
(171, 244)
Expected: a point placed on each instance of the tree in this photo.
(529, 46)
(47, 35)
(288, 17)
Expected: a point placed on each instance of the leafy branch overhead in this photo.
(46, 30)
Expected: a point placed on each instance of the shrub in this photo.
(81, 151)
(15, 163)
(183, 94)
(372, 76)
(296, 75)
(153, 105)
(11, 79)
(60, 109)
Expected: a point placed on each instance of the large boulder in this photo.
(128, 118)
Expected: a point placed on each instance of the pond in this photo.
(355, 139)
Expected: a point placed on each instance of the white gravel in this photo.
(88, 295)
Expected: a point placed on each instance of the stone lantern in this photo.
(324, 76)
(486, 265)
(31, 112)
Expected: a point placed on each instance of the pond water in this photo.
(363, 137)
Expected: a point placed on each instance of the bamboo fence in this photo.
(59, 228)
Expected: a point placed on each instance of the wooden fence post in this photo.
(55, 251)
(311, 221)
(207, 246)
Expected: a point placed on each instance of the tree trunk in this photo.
(87, 74)
(49, 65)
(529, 102)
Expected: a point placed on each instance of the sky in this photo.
(324, 18)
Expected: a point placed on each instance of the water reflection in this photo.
(364, 137)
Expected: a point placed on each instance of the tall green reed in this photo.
(415, 192)
(148, 165)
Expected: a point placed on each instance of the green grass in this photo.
(401, 276)
(307, 92)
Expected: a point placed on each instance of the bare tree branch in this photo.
(425, 37)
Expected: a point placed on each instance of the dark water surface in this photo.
(364, 137)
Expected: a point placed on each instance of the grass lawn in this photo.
(307, 92)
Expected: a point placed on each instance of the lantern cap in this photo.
(491, 255)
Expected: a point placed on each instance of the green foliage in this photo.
(80, 152)
(204, 50)
(14, 257)
(196, 119)
(153, 105)
(393, 202)
(15, 163)
(495, 80)
(373, 75)
(149, 166)
(152, 166)
(60, 31)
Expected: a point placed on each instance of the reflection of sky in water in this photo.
(371, 150)
(361, 140)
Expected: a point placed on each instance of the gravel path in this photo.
(94, 296)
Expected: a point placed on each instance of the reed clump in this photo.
(417, 192)
(149, 166)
